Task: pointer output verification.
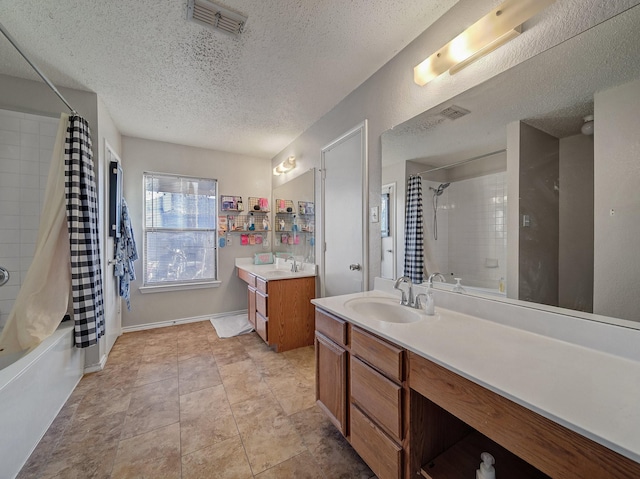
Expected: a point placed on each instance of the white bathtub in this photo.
(33, 389)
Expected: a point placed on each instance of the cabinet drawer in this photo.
(378, 353)
(261, 285)
(383, 456)
(262, 324)
(378, 396)
(247, 277)
(332, 327)
(261, 304)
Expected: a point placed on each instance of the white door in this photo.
(388, 227)
(112, 303)
(345, 237)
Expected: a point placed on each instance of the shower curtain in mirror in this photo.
(82, 222)
(413, 233)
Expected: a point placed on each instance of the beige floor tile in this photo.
(192, 347)
(162, 442)
(225, 460)
(331, 451)
(228, 350)
(268, 436)
(144, 416)
(246, 388)
(72, 457)
(103, 401)
(162, 347)
(197, 373)
(158, 391)
(157, 371)
(295, 395)
(205, 419)
(301, 466)
(166, 467)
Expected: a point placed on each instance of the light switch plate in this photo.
(374, 214)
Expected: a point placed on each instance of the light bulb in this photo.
(587, 126)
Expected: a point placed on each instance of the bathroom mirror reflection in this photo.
(294, 217)
(555, 213)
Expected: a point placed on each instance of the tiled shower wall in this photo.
(26, 146)
(472, 234)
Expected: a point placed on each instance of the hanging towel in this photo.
(82, 222)
(414, 234)
(125, 254)
(44, 295)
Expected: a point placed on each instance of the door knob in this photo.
(355, 267)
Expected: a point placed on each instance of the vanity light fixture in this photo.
(499, 26)
(285, 166)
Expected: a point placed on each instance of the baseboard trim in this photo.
(175, 322)
(94, 368)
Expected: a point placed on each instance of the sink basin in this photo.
(384, 309)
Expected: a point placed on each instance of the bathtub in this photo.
(34, 386)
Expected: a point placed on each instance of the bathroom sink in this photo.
(278, 272)
(384, 309)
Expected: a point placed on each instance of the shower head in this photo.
(441, 188)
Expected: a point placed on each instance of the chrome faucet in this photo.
(294, 264)
(434, 276)
(404, 300)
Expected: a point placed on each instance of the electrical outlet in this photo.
(229, 242)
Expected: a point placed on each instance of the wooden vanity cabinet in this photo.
(332, 360)
(280, 310)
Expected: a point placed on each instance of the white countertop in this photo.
(589, 391)
(278, 270)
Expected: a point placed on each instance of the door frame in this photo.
(361, 128)
(392, 226)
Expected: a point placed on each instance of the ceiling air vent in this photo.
(213, 16)
(454, 112)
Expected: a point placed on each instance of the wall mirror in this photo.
(524, 202)
(294, 217)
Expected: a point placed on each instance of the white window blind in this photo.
(179, 229)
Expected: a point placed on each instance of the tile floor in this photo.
(179, 402)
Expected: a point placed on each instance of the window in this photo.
(179, 230)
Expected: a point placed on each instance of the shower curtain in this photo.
(82, 221)
(414, 233)
(67, 257)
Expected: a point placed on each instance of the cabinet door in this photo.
(331, 381)
(251, 305)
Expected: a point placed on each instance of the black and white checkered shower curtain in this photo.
(413, 233)
(82, 221)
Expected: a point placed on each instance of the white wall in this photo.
(390, 96)
(617, 201)
(237, 175)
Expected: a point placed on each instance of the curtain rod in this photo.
(37, 70)
(486, 155)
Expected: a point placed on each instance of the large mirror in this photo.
(294, 217)
(522, 203)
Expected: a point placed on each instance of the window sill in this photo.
(178, 287)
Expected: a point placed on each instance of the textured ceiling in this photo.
(164, 78)
(552, 91)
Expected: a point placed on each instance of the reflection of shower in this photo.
(437, 192)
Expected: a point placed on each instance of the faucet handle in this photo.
(418, 303)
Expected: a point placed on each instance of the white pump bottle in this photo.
(486, 470)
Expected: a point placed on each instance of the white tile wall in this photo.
(471, 229)
(26, 146)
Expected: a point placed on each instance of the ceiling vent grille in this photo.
(454, 112)
(213, 16)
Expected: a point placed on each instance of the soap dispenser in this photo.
(429, 304)
(486, 470)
